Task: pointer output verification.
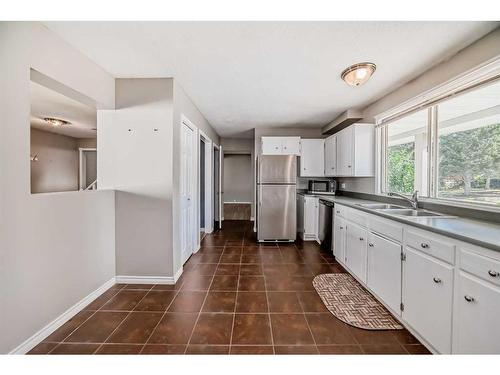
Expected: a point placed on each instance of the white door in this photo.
(427, 298)
(312, 159)
(188, 227)
(478, 304)
(356, 250)
(384, 270)
(345, 159)
(339, 239)
(331, 156)
(291, 146)
(271, 146)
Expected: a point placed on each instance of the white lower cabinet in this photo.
(476, 321)
(339, 239)
(384, 270)
(428, 298)
(355, 250)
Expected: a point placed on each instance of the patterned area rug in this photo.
(351, 303)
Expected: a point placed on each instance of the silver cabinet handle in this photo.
(437, 280)
(338, 212)
(361, 238)
(493, 273)
(348, 166)
(370, 244)
(469, 298)
(424, 245)
(341, 227)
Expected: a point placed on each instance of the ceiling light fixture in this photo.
(358, 74)
(56, 121)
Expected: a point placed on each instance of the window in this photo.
(464, 134)
(469, 147)
(406, 156)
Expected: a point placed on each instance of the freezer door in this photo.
(277, 212)
(277, 169)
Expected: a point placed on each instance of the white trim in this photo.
(485, 71)
(164, 280)
(80, 165)
(209, 154)
(50, 328)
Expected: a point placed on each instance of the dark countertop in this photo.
(481, 233)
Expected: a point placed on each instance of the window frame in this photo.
(430, 100)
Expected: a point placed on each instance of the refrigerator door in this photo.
(277, 215)
(277, 169)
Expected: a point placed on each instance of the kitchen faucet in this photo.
(413, 200)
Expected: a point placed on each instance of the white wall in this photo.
(57, 248)
(238, 180)
(136, 160)
(57, 166)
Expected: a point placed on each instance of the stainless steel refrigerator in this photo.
(276, 197)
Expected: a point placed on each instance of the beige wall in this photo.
(137, 161)
(183, 105)
(55, 248)
(471, 57)
(57, 165)
(238, 181)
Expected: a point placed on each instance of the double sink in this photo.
(399, 210)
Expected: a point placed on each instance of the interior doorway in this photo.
(187, 189)
(238, 186)
(205, 186)
(88, 168)
(217, 191)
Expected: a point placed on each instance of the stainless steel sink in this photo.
(380, 206)
(410, 212)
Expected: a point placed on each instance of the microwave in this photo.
(322, 187)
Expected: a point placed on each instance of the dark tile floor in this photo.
(234, 297)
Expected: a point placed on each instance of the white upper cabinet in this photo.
(331, 156)
(280, 145)
(312, 158)
(355, 146)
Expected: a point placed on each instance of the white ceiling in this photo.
(48, 103)
(243, 75)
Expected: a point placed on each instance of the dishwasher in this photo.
(325, 230)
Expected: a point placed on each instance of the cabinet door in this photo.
(339, 239)
(300, 214)
(311, 217)
(356, 240)
(345, 158)
(290, 145)
(427, 298)
(312, 158)
(271, 146)
(477, 328)
(384, 270)
(331, 156)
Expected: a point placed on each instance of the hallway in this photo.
(234, 297)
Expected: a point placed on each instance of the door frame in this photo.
(194, 181)
(219, 191)
(81, 172)
(209, 154)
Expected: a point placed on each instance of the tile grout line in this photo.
(82, 323)
(164, 313)
(235, 303)
(203, 303)
(119, 325)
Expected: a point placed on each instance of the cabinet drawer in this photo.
(340, 210)
(356, 216)
(431, 244)
(485, 268)
(386, 228)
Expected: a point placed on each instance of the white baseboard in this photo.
(165, 280)
(252, 218)
(46, 331)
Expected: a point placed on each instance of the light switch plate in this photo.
(342, 185)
